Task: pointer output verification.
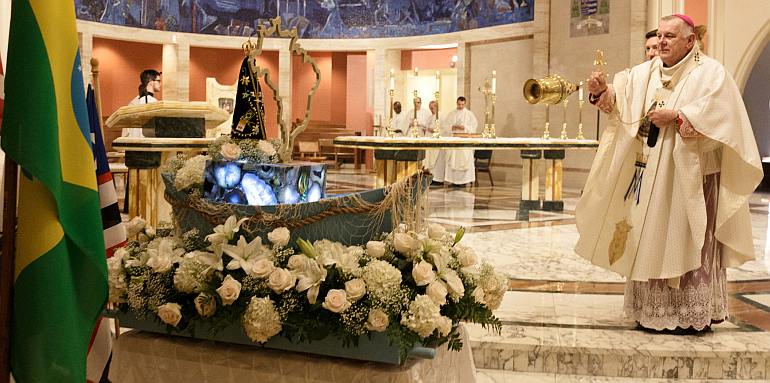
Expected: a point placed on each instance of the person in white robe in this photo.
(150, 85)
(422, 115)
(432, 155)
(399, 119)
(455, 166)
(670, 214)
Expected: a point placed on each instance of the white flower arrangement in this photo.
(414, 286)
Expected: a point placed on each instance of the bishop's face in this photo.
(673, 45)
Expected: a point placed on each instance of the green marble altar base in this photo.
(179, 127)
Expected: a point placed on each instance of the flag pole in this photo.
(7, 269)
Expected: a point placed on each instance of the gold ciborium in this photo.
(550, 90)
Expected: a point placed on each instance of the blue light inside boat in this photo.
(290, 195)
(257, 191)
(227, 175)
(314, 194)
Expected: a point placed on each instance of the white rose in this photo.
(115, 264)
(478, 294)
(160, 263)
(230, 151)
(281, 280)
(436, 231)
(378, 321)
(205, 304)
(279, 236)
(405, 243)
(468, 257)
(149, 231)
(444, 326)
(266, 147)
(423, 273)
(490, 285)
(355, 288)
(230, 290)
(170, 313)
(262, 268)
(336, 301)
(134, 226)
(297, 262)
(455, 284)
(375, 249)
(437, 292)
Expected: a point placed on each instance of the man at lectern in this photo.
(148, 89)
(666, 201)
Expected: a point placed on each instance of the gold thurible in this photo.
(547, 133)
(436, 130)
(389, 133)
(580, 121)
(564, 124)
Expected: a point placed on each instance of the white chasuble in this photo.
(658, 232)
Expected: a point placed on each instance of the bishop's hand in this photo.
(596, 83)
(663, 117)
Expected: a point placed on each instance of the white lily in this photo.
(213, 260)
(224, 233)
(310, 279)
(163, 258)
(245, 254)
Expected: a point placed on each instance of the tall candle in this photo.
(580, 92)
(415, 79)
(392, 78)
(494, 81)
(438, 81)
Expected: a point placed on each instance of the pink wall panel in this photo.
(427, 58)
(339, 90)
(358, 117)
(120, 63)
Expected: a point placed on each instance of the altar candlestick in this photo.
(494, 81)
(580, 92)
(438, 81)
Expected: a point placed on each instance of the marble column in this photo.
(541, 57)
(464, 73)
(86, 52)
(285, 84)
(176, 72)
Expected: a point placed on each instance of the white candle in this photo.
(494, 81)
(580, 92)
(415, 79)
(438, 81)
(392, 79)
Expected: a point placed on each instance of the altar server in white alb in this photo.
(431, 155)
(399, 118)
(455, 166)
(666, 201)
(423, 117)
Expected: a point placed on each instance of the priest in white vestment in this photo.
(431, 155)
(399, 117)
(422, 115)
(455, 166)
(666, 201)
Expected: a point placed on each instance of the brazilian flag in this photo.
(60, 284)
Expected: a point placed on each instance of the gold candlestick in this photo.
(564, 124)
(486, 90)
(547, 133)
(437, 129)
(580, 121)
(389, 132)
(492, 125)
(415, 127)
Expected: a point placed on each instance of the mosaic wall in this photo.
(313, 18)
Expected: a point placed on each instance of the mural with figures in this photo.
(313, 18)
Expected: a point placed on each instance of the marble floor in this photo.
(563, 317)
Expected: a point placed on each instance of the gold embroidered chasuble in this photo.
(643, 213)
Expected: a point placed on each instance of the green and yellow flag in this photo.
(60, 284)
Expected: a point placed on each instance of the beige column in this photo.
(464, 73)
(541, 58)
(638, 30)
(381, 84)
(86, 51)
(659, 8)
(176, 72)
(284, 83)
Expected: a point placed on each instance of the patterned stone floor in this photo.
(562, 317)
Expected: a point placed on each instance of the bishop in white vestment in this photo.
(456, 165)
(671, 212)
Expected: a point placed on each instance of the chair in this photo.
(336, 153)
(481, 161)
(309, 151)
